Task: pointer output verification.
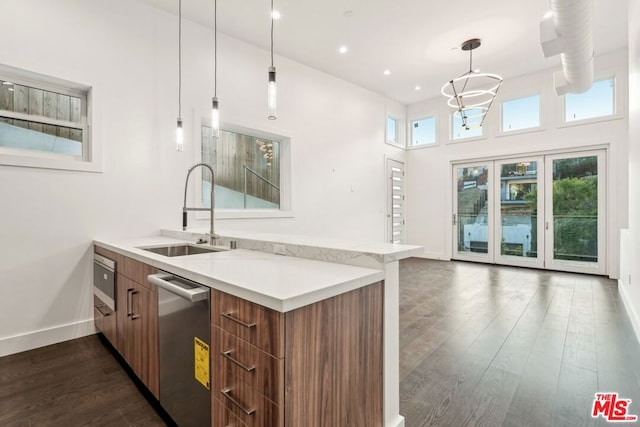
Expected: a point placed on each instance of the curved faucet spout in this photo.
(211, 208)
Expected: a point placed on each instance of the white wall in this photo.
(429, 196)
(127, 52)
(629, 284)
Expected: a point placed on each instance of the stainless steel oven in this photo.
(104, 280)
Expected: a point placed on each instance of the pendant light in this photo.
(472, 93)
(272, 90)
(179, 130)
(215, 113)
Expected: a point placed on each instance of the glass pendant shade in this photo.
(215, 116)
(179, 136)
(272, 95)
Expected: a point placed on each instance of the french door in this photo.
(540, 211)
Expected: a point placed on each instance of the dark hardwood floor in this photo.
(479, 345)
(489, 345)
(74, 383)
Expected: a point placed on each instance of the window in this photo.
(247, 169)
(423, 131)
(599, 101)
(42, 118)
(392, 131)
(521, 113)
(473, 128)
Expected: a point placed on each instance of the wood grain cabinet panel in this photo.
(331, 354)
(254, 323)
(236, 360)
(137, 326)
(333, 361)
(250, 406)
(221, 416)
(105, 320)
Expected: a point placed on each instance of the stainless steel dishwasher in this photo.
(184, 340)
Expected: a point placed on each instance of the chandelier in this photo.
(472, 93)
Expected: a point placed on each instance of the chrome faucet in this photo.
(212, 235)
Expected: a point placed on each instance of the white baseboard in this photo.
(44, 337)
(631, 311)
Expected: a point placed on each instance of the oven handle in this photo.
(195, 294)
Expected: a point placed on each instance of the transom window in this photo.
(599, 101)
(392, 131)
(473, 128)
(423, 131)
(521, 113)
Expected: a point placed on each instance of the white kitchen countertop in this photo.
(282, 283)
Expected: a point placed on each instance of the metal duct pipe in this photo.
(568, 31)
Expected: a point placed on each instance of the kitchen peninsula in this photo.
(323, 298)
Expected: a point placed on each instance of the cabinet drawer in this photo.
(252, 322)
(137, 271)
(223, 417)
(251, 407)
(105, 320)
(237, 360)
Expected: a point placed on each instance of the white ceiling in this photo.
(417, 40)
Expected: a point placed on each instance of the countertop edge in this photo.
(255, 296)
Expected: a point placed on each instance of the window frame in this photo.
(540, 126)
(453, 140)
(285, 210)
(398, 134)
(617, 104)
(410, 145)
(89, 161)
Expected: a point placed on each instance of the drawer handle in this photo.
(227, 394)
(239, 322)
(130, 293)
(100, 308)
(227, 355)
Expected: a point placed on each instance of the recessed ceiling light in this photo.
(7, 83)
(418, 88)
(275, 14)
(343, 49)
(10, 89)
(548, 15)
(386, 72)
(476, 70)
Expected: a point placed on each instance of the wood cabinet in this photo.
(104, 319)
(135, 323)
(319, 365)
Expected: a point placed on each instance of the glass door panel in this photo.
(575, 213)
(472, 222)
(519, 238)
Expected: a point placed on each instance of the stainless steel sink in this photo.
(182, 250)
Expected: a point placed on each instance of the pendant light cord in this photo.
(179, 58)
(272, 33)
(215, 48)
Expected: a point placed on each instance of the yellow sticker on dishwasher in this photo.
(201, 362)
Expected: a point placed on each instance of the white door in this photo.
(540, 211)
(473, 212)
(575, 212)
(519, 224)
(395, 201)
